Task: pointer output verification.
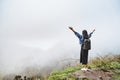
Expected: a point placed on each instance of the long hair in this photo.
(85, 34)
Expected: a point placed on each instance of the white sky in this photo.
(34, 32)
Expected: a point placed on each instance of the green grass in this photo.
(117, 75)
(108, 63)
(105, 62)
(64, 74)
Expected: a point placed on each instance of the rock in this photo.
(83, 78)
(93, 75)
(100, 78)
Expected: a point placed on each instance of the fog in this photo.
(35, 32)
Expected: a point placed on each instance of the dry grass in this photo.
(106, 62)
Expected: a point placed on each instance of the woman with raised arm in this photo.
(85, 46)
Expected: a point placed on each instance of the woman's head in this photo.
(85, 34)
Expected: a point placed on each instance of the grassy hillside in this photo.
(63, 74)
(102, 63)
(108, 63)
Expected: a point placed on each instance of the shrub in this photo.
(106, 62)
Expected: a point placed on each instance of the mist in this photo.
(35, 32)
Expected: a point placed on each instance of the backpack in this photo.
(87, 44)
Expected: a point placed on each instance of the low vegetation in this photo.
(103, 62)
(106, 62)
(64, 74)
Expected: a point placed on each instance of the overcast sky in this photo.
(35, 32)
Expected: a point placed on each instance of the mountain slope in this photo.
(101, 68)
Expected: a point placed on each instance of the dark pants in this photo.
(83, 56)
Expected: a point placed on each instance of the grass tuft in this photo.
(106, 62)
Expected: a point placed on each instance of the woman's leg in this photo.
(81, 54)
(85, 58)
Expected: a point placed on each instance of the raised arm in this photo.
(76, 33)
(91, 33)
(72, 29)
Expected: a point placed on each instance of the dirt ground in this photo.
(93, 75)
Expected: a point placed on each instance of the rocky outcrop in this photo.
(93, 75)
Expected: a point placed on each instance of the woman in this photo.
(83, 52)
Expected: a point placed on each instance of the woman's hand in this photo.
(70, 28)
(93, 30)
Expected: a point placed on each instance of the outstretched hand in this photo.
(93, 30)
(70, 28)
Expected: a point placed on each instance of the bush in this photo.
(115, 65)
(106, 62)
